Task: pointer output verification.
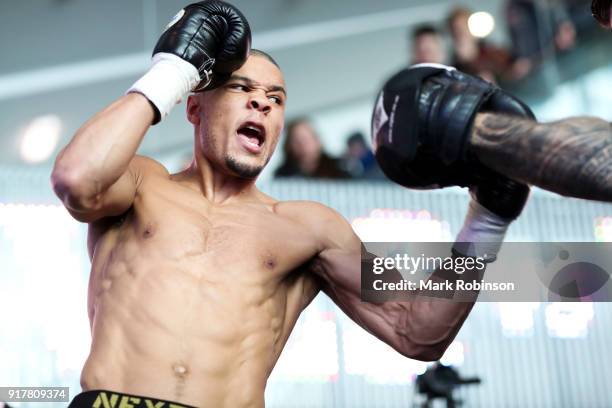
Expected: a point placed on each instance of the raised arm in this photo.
(95, 175)
(92, 174)
(572, 156)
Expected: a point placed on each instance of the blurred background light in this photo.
(569, 320)
(40, 138)
(377, 362)
(389, 225)
(311, 353)
(603, 229)
(481, 24)
(517, 318)
(454, 354)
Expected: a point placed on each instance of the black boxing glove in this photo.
(211, 35)
(202, 45)
(421, 127)
(422, 123)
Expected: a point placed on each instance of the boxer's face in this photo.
(238, 124)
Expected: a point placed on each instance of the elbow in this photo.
(425, 354)
(422, 353)
(73, 187)
(64, 182)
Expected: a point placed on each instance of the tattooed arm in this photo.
(572, 156)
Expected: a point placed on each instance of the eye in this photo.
(239, 87)
(276, 99)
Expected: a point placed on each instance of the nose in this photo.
(260, 102)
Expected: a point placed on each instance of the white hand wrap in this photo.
(168, 80)
(482, 234)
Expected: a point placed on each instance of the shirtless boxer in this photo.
(197, 277)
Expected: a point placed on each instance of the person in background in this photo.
(439, 381)
(538, 29)
(358, 159)
(427, 45)
(478, 57)
(305, 156)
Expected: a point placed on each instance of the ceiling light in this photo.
(481, 24)
(40, 138)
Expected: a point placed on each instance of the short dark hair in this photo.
(424, 29)
(260, 53)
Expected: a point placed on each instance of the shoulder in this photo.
(329, 227)
(307, 211)
(143, 168)
(147, 165)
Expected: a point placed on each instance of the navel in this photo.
(180, 370)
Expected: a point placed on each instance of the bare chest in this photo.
(247, 242)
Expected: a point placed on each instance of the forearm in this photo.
(430, 321)
(428, 327)
(422, 321)
(438, 310)
(101, 150)
(572, 157)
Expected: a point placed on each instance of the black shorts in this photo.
(113, 399)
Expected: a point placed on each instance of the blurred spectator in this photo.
(427, 45)
(477, 57)
(358, 159)
(304, 155)
(539, 28)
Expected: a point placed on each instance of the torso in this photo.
(193, 302)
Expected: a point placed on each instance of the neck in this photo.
(214, 184)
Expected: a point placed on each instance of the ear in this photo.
(194, 108)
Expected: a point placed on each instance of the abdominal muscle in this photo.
(185, 331)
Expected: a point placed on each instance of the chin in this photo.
(242, 168)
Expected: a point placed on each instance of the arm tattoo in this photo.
(572, 157)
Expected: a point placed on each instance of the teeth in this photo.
(254, 129)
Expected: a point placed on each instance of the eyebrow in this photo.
(250, 82)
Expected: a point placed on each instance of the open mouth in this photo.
(253, 135)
